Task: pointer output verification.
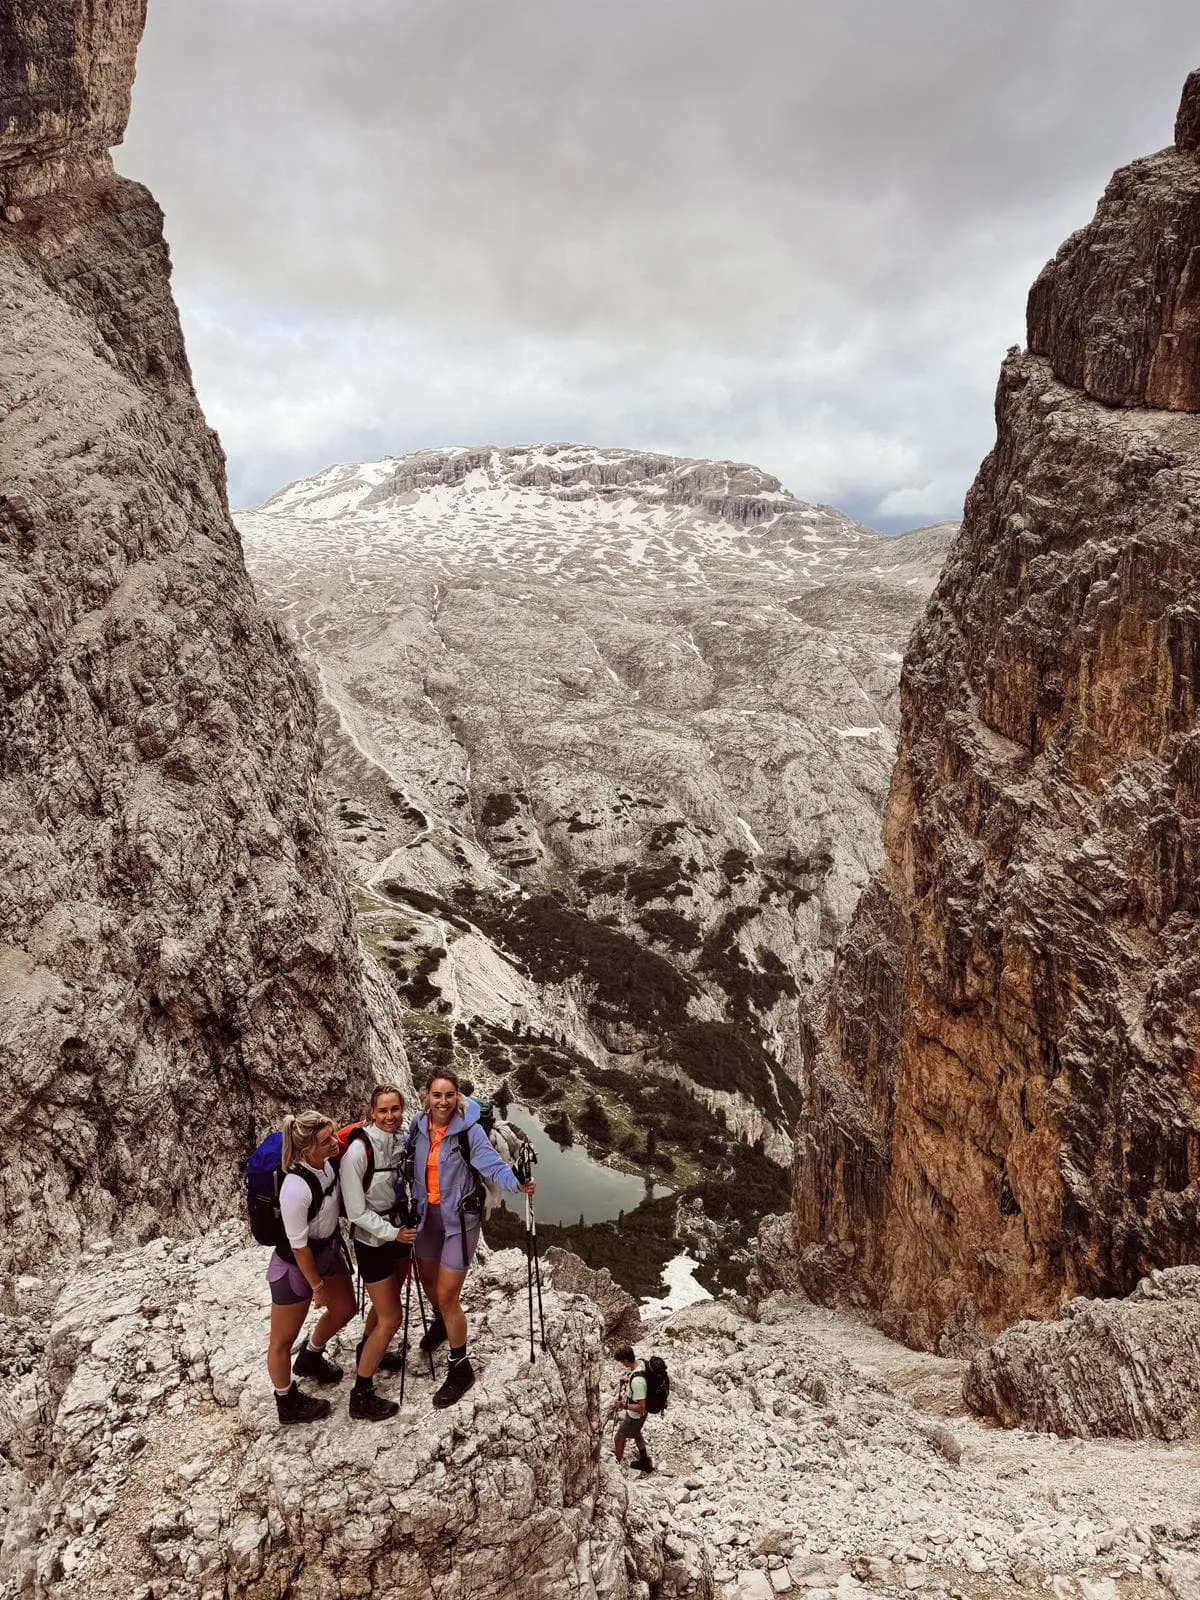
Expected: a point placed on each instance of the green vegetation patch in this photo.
(558, 944)
(635, 1248)
(502, 807)
(672, 929)
(722, 1056)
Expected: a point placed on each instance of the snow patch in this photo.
(679, 1280)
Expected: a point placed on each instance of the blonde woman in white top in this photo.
(311, 1270)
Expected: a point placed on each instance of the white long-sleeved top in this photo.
(368, 1212)
(294, 1199)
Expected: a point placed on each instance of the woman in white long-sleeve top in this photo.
(310, 1269)
(369, 1171)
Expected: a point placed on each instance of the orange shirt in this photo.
(433, 1188)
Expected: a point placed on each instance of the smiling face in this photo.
(387, 1111)
(442, 1099)
(324, 1146)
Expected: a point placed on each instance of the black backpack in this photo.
(658, 1385)
(264, 1179)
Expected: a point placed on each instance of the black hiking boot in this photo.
(296, 1406)
(643, 1464)
(310, 1363)
(459, 1379)
(367, 1406)
(434, 1335)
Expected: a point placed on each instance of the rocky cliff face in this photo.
(1007, 1111)
(177, 951)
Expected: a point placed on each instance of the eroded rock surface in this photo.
(147, 1459)
(1118, 309)
(1007, 1113)
(622, 1323)
(178, 955)
(139, 1455)
(1129, 1368)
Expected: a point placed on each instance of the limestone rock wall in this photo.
(178, 955)
(1006, 1114)
(1127, 1368)
(64, 95)
(1118, 309)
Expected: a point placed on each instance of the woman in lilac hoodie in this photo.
(447, 1187)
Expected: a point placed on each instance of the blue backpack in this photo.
(264, 1178)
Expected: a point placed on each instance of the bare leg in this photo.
(427, 1272)
(339, 1308)
(387, 1313)
(449, 1287)
(286, 1322)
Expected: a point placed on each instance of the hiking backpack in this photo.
(355, 1133)
(264, 1179)
(658, 1385)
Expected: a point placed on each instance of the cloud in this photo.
(796, 233)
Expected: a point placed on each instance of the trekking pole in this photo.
(529, 1274)
(404, 1335)
(537, 1273)
(424, 1319)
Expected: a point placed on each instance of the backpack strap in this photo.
(475, 1201)
(360, 1135)
(318, 1192)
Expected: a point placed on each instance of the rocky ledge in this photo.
(1129, 1367)
(147, 1457)
(139, 1454)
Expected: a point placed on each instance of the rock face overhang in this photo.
(1006, 1113)
(178, 959)
(1117, 311)
(65, 90)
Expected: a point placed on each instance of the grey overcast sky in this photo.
(794, 232)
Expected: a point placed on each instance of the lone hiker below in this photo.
(630, 1406)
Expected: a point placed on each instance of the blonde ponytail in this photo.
(299, 1133)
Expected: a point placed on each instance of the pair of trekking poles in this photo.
(523, 1168)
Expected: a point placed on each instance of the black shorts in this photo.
(379, 1261)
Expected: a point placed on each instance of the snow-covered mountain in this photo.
(658, 694)
(575, 514)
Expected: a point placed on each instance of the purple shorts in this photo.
(289, 1286)
(454, 1251)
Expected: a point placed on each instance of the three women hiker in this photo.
(296, 1196)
